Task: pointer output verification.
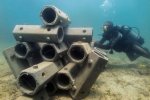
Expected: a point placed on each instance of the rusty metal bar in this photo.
(51, 15)
(37, 33)
(78, 51)
(94, 65)
(51, 52)
(65, 78)
(32, 79)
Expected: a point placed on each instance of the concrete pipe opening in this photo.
(27, 82)
(63, 80)
(51, 88)
(48, 52)
(77, 53)
(21, 50)
(49, 15)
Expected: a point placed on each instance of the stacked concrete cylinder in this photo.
(54, 56)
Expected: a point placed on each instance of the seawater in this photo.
(83, 13)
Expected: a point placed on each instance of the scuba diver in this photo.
(122, 39)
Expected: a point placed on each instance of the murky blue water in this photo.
(83, 13)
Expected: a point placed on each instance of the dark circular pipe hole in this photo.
(63, 80)
(49, 15)
(21, 49)
(27, 82)
(77, 53)
(60, 34)
(50, 88)
(48, 52)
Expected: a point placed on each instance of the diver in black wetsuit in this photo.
(122, 39)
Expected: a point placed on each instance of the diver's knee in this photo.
(146, 50)
(141, 40)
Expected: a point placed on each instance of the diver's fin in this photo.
(142, 51)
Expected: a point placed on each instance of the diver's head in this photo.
(108, 26)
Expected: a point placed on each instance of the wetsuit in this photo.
(121, 39)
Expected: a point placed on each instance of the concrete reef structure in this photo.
(54, 57)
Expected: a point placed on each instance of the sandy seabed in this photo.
(122, 80)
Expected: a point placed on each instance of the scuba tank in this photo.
(133, 34)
